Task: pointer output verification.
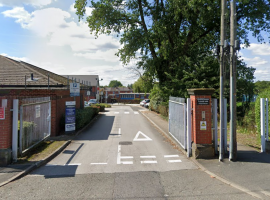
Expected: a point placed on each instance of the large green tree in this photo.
(175, 38)
(115, 83)
(144, 84)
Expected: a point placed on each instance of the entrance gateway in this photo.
(194, 124)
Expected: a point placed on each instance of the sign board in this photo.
(2, 112)
(203, 125)
(203, 101)
(88, 93)
(74, 89)
(37, 107)
(70, 118)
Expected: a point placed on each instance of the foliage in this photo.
(27, 126)
(157, 97)
(130, 85)
(101, 107)
(260, 86)
(115, 83)
(143, 85)
(175, 38)
(163, 109)
(105, 105)
(264, 94)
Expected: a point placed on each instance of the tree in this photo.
(115, 83)
(143, 85)
(260, 86)
(175, 38)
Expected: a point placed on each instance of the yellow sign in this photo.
(203, 125)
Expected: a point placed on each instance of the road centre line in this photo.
(171, 156)
(147, 156)
(136, 113)
(148, 161)
(127, 162)
(119, 131)
(174, 161)
(126, 112)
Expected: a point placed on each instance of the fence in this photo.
(35, 122)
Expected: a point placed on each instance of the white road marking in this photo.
(148, 161)
(116, 112)
(174, 161)
(72, 164)
(136, 113)
(126, 157)
(141, 139)
(127, 162)
(119, 131)
(119, 155)
(98, 163)
(126, 112)
(54, 165)
(171, 156)
(147, 156)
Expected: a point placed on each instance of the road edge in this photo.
(201, 167)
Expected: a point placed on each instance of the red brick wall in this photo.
(201, 136)
(6, 126)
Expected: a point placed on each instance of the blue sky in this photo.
(47, 33)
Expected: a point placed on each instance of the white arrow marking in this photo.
(141, 139)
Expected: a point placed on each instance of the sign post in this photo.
(74, 89)
(70, 118)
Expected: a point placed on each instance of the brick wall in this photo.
(201, 136)
(6, 126)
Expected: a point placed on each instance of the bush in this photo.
(163, 109)
(106, 105)
(83, 117)
(101, 107)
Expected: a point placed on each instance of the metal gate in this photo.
(177, 120)
(35, 122)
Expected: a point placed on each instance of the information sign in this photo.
(2, 112)
(74, 89)
(37, 111)
(70, 116)
(202, 101)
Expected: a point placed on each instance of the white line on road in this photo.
(147, 156)
(174, 161)
(116, 112)
(171, 156)
(136, 113)
(119, 131)
(126, 157)
(119, 155)
(127, 162)
(126, 112)
(73, 164)
(98, 163)
(148, 161)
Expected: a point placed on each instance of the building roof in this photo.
(91, 80)
(17, 74)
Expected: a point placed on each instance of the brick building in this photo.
(21, 80)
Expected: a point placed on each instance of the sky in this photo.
(47, 33)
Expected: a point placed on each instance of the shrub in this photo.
(106, 105)
(100, 106)
(163, 109)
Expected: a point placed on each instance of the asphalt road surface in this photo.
(121, 156)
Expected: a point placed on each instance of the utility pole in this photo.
(233, 143)
(221, 102)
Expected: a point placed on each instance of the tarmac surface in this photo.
(249, 174)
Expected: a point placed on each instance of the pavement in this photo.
(249, 174)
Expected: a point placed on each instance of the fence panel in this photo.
(177, 120)
(35, 118)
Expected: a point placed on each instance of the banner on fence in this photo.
(70, 118)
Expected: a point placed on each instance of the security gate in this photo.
(35, 122)
(177, 120)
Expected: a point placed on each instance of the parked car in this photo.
(143, 102)
(92, 101)
(86, 104)
(146, 105)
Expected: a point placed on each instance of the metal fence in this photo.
(177, 120)
(35, 122)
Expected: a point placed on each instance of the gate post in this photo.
(203, 146)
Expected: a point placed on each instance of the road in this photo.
(121, 156)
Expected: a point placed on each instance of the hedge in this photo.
(264, 94)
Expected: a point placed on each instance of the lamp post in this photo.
(97, 95)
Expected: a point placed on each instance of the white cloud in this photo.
(19, 13)
(14, 3)
(71, 8)
(255, 62)
(100, 55)
(88, 11)
(259, 49)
